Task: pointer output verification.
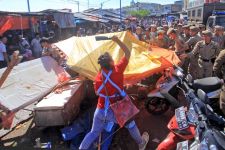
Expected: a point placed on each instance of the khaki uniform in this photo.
(206, 55)
(186, 37)
(219, 40)
(193, 62)
(161, 43)
(179, 46)
(219, 69)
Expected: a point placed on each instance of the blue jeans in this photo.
(99, 123)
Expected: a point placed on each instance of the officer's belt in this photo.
(208, 60)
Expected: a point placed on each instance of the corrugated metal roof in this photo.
(99, 15)
(90, 17)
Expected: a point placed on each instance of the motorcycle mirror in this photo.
(202, 96)
(209, 108)
(189, 78)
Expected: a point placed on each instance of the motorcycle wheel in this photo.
(156, 105)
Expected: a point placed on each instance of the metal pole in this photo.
(101, 8)
(88, 4)
(28, 5)
(78, 5)
(120, 12)
(21, 24)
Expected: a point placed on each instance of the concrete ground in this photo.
(23, 137)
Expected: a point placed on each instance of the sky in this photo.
(38, 5)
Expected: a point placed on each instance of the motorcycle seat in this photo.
(207, 84)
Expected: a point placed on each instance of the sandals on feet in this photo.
(145, 137)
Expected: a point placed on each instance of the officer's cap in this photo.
(201, 26)
(194, 28)
(207, 33)
(160, 32)
(186, 26)
(171, 30)
(217, 27)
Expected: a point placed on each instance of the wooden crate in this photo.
(60, 109)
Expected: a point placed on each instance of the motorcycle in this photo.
(209, 132)
(165, 94)
(159, 100)
(186, 125)
(212, 86)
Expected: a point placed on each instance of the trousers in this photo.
(100, 120)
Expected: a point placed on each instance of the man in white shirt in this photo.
(36, 46)
(4, 61)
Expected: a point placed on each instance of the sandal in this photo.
(145, 137)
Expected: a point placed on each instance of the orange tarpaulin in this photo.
(6, 26)
(14, 23)
(83, 53)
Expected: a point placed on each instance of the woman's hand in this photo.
(115, 38)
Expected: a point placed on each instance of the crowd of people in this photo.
(201, 51)
(29, 50)
(196, 47)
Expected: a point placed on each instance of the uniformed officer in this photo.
(202, 28)
(218, 37)
(206, 50)
(179, 43)
(186, 35)
(180, 30)
(194, 38)
(219, 70)
(192, 64)
(160, 40)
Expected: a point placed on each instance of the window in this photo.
(189, 14)
(199, 13)
(193, 13)
(210, 22)
(220, 21)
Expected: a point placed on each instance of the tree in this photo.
(140, 13)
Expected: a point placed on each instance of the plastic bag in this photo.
(124, 110)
